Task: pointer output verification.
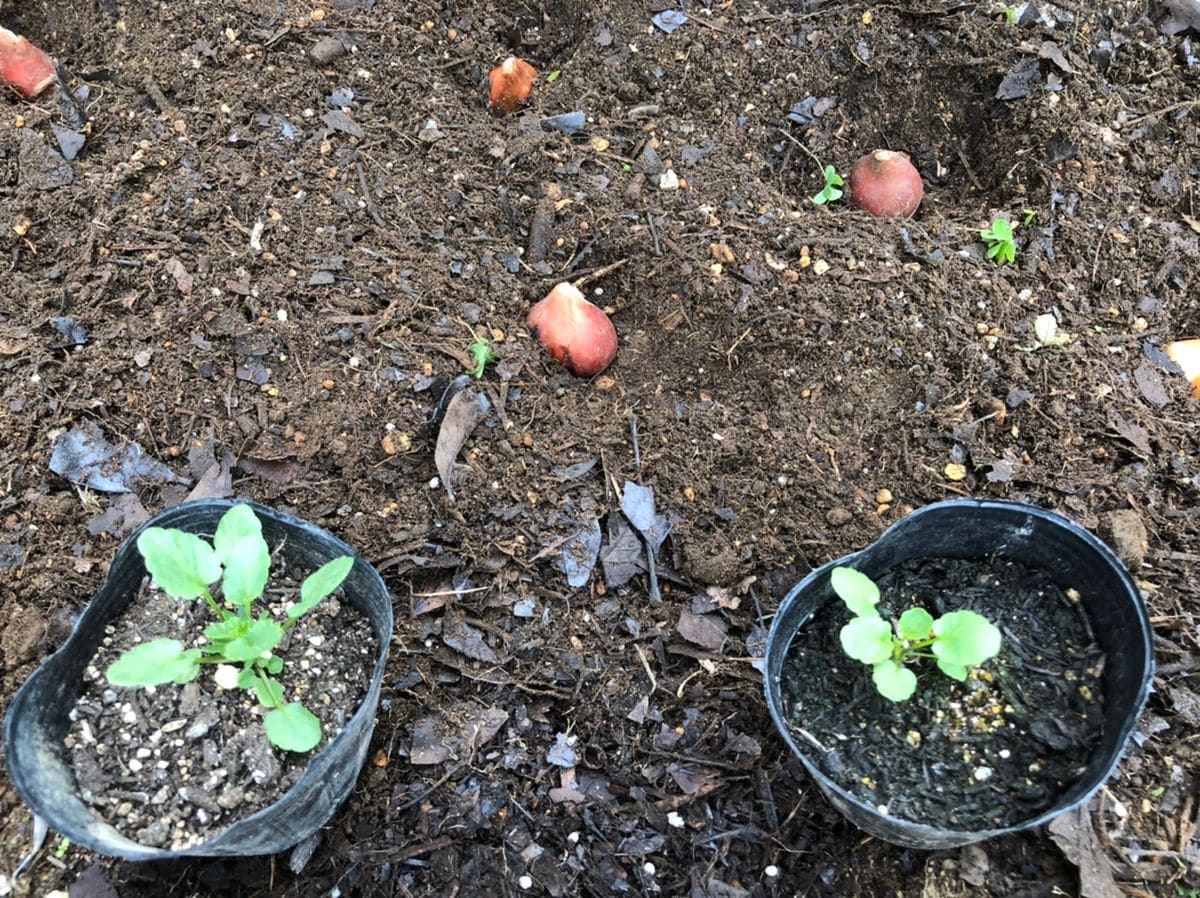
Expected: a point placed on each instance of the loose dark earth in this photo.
(288, 222)
(990, 752)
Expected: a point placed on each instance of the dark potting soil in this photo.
(172, 766)
(990, 752)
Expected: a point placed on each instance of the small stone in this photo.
(884, 497)
(124, 808)
(231, 797)
(326, 50)
(838, 517)
(955, 471)
(668, 180)
(1127, 534)
(154, 834)
(204, 722)
(820, 266)
(189, 698)
(135, 765)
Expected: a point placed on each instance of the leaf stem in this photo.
(213, 606)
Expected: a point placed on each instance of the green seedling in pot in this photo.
(187, 567)
(958, 640)
(829, 193)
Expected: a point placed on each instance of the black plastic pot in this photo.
(38, 762)
(982, 529)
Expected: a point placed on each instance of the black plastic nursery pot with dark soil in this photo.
(48, 741)
(1032, 733)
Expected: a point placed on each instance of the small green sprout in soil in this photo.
(829, 193)
(481, 352)
(958, 640)
(185, 567)
(1010, 15)
(554, 76)
(1028, 216)
(999, 239)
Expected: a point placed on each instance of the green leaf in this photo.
(915, 624)
(269, 692)
(182, 564)
(153, 663)
(553, 76)
(247, 678)
(965, 638)
(856, 589)
(319, 584)
(894, 681)
(261, 636)
(223, 631)
(867, 639)
(239, 544)
(829, 193)
(481, 352)
(953, 671)
(293, 727)
(275, 665)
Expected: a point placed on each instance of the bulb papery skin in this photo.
(886, 184)
(575, 332)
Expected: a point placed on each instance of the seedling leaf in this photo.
(953, 671)
(894, 681)
(154, 663)
(319, 584)
(915, 624)
(268, 692)
(856, 589)
(239, 544)
(965, 638)
(182, 564)
(482, 354)
(275, 665)
(293, 727)
(867, 639)
(829, 193)
(261, 636)
(223, 631)
(999, 240)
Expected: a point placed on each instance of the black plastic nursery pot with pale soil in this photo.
(185, 769)
(1029, 734)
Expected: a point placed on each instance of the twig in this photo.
(1183, 104)
(654, 234)
(649, 672)
(637, 452)
(586, 279)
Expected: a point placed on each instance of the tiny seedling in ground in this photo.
(999, 240)
(958, 640)
(829, 193)
(481, 353)
(185, 567)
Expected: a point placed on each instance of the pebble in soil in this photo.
(171, 766)
(990, 752)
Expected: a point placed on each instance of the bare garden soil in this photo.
(284, 227)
